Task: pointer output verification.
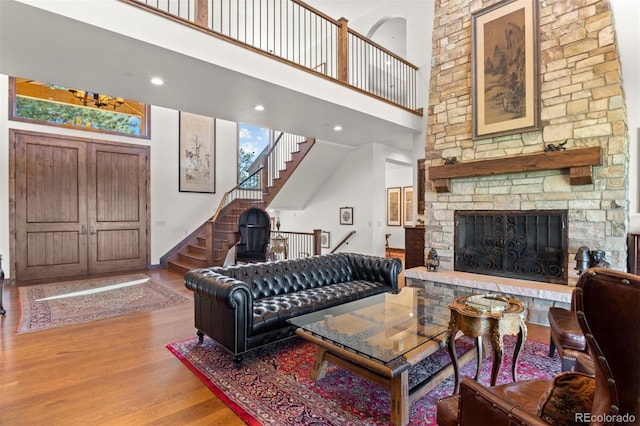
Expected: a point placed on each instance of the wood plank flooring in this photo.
(109, 372)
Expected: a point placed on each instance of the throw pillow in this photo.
(571, 393)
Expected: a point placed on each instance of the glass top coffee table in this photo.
(379, 338)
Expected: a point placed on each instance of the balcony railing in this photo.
(301, 35)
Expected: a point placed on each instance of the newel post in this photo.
(343, 50)
(317, 243)
(202, 13)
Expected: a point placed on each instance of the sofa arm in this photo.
(481, 405)
(377, 269)
(219, 288)
(223, 308)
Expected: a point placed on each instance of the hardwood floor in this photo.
(110, 372)
(114, 371)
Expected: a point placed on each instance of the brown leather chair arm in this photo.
(479, 405)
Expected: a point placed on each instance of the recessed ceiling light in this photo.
(337, 128)
(259, 107)
(157, 81)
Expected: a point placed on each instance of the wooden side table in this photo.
(495, 325)
(279, 248)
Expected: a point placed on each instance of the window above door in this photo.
(55, 105)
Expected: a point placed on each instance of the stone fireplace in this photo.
(582, 108)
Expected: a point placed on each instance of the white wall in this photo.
(359, 181)
(626, 14)
(174, 214)
(349, 186)
(397, 176)
(4, 178)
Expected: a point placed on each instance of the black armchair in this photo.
(254, 226)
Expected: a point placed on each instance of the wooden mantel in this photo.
(579, 162)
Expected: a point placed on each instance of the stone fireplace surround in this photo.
(582, 107)
(444, 286)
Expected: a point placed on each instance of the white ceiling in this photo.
(204, 75)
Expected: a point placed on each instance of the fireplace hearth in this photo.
(528, 245)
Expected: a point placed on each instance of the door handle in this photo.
(83, 230)
(93, 231)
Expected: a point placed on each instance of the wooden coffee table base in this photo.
(393, 376)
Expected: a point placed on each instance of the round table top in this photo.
(513, 307)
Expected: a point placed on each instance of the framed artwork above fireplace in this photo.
(505, 69)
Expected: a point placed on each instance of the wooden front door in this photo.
(117, 208)
(81, 206)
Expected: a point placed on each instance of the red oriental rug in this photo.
(274, 386)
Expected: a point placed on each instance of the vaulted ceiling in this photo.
(203, 75)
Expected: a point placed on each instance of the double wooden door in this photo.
(80, 206)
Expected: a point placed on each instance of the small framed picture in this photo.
(407, 207)
(325, 239)
(394, 206)
(346, 215)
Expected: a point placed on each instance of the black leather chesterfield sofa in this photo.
(243, 307)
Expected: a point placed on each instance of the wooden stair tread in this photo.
(192, 256)
(181, 266)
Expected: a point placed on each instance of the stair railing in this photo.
(345, 240)
(249, 189)
(273, 162)
(275, 159)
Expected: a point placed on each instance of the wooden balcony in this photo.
(294, 32)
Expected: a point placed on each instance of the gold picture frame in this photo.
(505, 69)
(407, 206)
(394, 206)
(197, 153)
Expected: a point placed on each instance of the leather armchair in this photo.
(566, 335)
(606, 305)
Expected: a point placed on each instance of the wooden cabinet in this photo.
(634, 253)
(413, 246)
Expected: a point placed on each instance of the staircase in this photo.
(209, 244)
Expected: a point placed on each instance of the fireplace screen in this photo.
(529, 245)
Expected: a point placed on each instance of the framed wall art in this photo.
(346, 215)
(394, 200)
(325, 239)
(505, 69)
(407, 206)
(197, 153)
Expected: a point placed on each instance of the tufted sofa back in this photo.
(288, 276)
